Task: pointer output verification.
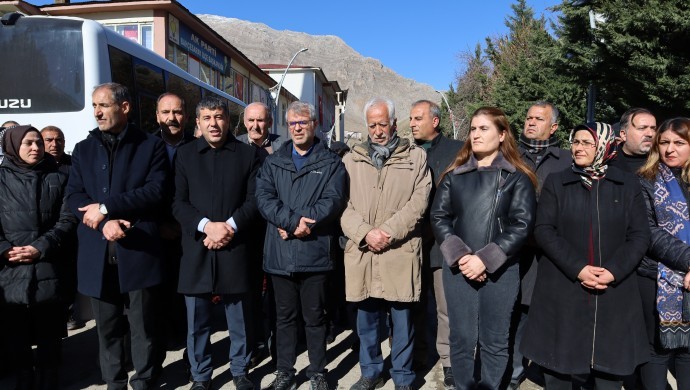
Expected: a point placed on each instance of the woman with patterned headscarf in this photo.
(585, 319)
(663, 274)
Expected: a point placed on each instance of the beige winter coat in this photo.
(394, 200)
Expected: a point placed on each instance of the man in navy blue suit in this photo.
(116, 187)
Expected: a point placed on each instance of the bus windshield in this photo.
(42, 66)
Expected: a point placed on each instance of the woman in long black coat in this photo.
(585, 317)
(34, 223)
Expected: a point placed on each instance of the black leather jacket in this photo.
(490, 210)
(663, 246)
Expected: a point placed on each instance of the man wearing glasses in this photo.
(300, 191)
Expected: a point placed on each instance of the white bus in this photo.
(50, 65)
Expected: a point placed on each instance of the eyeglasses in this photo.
(50, 139)
(585, 144)
(301, 123)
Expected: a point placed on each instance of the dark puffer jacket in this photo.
(284, 195)
(32, 212)
(663, 246)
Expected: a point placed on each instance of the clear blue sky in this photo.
(420, 40)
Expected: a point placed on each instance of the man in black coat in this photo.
(116, 188)
(539, 148)
(171, 115)
(215, 205)
(300, 192)
(638, 128)
(54, 141)
(258, 122)
(425, 119)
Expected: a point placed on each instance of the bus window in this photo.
(147, 110)
(121, 68)
(42, 66)
(149, 78)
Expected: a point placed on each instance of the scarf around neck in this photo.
(672, 301)
(535, 146)
(380, 153)
(605, 151)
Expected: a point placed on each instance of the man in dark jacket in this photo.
(539, 148)
(171, 115)
(638, 128)
(258, 121)
(54, 141)
(425, 120)
(115, 188)
(300, 192)
(215, 205)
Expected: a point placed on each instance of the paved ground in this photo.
(80, 368)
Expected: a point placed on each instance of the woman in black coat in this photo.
(663, 275)
(34, 223)
(585, 318)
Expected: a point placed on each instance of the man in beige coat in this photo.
(389, 191)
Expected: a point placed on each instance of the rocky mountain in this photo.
(364, 77)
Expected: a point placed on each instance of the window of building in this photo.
(205, 73)
(182, 59)
(141, 33)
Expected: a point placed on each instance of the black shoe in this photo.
(242, 383)
(448, 379)
(201, 385)
(318, 382)
(25, 380)
(284, 381)
(365, 383)
(259, 355)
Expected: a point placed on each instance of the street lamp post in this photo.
(280, 84)
(452, 119)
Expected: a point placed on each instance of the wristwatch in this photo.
(103, 209)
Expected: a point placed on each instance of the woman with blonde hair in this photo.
(663, 274)
(482, 215)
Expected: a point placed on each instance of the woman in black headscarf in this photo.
(33, 224)
(586, 317)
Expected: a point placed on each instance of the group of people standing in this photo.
(533, 254)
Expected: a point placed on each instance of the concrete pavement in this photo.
(80, 367)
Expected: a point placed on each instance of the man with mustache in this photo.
(638, 127)
(171, 115)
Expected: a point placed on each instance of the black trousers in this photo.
(115, 315)
(40, 324)
(602, 381)
(653, 374)
(309, 291)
